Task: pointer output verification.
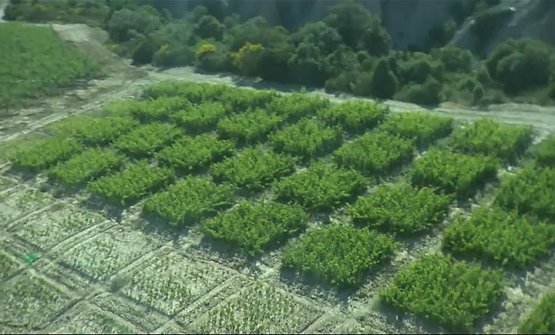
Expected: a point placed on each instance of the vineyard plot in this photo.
(147, 139)
(200, 118)
(354, 116)
(92, 320)
(45, 153)
(542, 319)
(420, 127)
(249, 127)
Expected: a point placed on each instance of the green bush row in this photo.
(44, 153)
(199, 118)
(147, 139)
(249, 127)
(423, 128)
(354, 116)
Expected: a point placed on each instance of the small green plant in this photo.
(32, 257)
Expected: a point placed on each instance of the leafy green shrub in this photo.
(199, 118)
(87, 166)
(307, 138)
(384, 82)
(529, 191)
(503, 237)
(338, 254)
(453, 172)
(194, 153)
(485, 136)
(454, 294)
(159, 109)
(250, 127)
(44, 153)
(401, 208)
(35, 62)
(320, 188)
(131, 184)
(189, 201)
(295, 106)
(147, 139)
(423, 128)
(374, 153)
(428, 93)
(257, 226)
(354, 116)
(94, 131)
(544, 153)
(253, 168)
(542, 319)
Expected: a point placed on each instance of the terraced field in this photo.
(206, 208)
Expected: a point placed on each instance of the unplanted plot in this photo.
(374, 153)
(49, 228)
(400, 208)
(108, 252)
(171, 282)
(87, 166)
(452, 293)
(307, 139)
(354, 116)
(8, 266)
(256, 226)
(423, 128)
(338, 254)
(506, 238)
(189, 201)
(30, 302)
(253, 168)
(93, 131)
(147, 139)
(6, 183)
(91, 320)
(195, 153)
(321, 187)
(15, 205)
(486, 137)
(249, 127)
(44, 153)
(130, 185)
(531, 190)
(257, 309)
(455, 173)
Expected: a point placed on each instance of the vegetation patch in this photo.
(253, 168)
(44, 153)
(196, 93)
(258, 309)
(454, 294)
(422, 128)
(170, 282)
(194, 153)
(35, 61)
(531, 190)
(93, 131)
(160, 109)
(199, 118)
(374, 153)
(249, 127)
(486, 137)
(295, 106)
(544, 152)
(503, 237)
(338, 254)
(189, 201)
(239, 100)
(257, 226)
(401, 208)
(307, 138)
(87, 166)
(131, 184)
(20, 203)
(147, 139)
(320, 188)
(8, 266)
(92, 320)
(454, 173)
(354, 116)
(542, 319)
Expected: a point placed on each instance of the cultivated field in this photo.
(207, 208)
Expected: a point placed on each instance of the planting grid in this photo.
(70, 262)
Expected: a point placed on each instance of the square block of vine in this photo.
(55, 225)
(258, 308)
(104, 255)
(8, 266)
(87, 319)
(30, 302)
(168, 282)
